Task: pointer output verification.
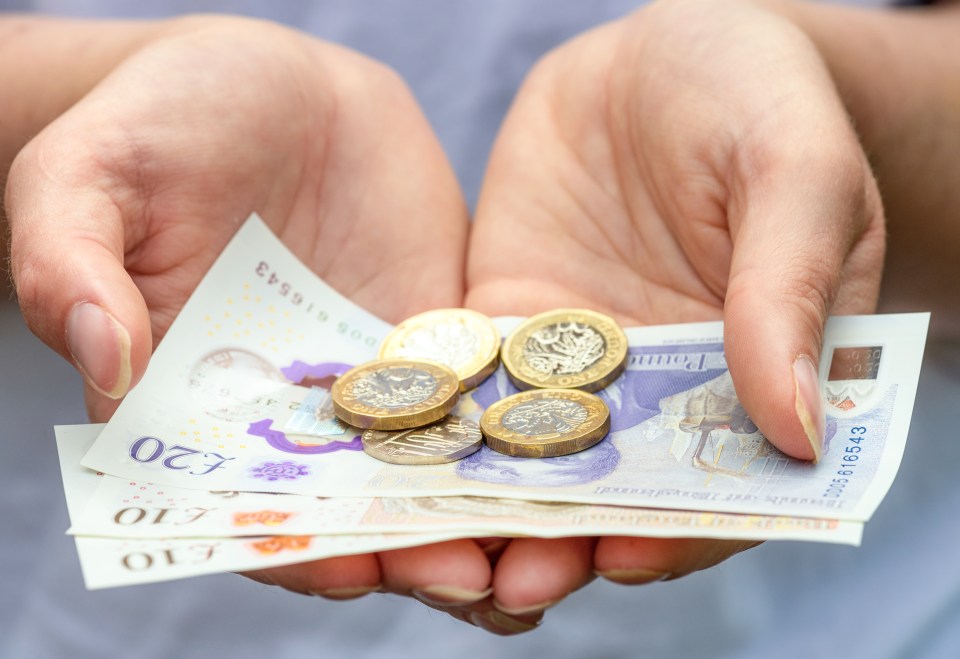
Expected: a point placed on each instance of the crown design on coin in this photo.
(545, 423)
(395, 394)
(567, 349)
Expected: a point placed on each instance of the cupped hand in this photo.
(687, 163)
(690, 162)
(119, 207)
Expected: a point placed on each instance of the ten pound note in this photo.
(236, 398)
(131, 533)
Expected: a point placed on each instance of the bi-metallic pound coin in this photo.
(545, 423)
(448, 440)
(465, 340)
(565, 349)
(395, 394)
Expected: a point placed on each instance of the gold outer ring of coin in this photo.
(471, 373)
(356, 413)
(548, 445)
(593, 378)
(450, 439)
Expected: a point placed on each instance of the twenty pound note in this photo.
(221, 407)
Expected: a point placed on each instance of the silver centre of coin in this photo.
(545, 416)
(451, 344)
(394, 387)
(564, 348)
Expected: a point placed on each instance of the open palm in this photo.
(125, 201)
(120, 206)
(660, 169)
(663, 169)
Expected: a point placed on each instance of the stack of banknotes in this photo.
(227, 456)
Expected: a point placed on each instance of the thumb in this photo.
(803, 228)
(67, 250)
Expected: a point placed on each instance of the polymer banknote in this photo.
(111, 562)
(128, 533)
(261, 335)
(120, 508)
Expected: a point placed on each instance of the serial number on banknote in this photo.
(284, 289)
(848, 460)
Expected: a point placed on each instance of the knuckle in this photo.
(28, 279)
(61, 156)
(808, 288)
(800, 288)
(837, 160)
(827, 152)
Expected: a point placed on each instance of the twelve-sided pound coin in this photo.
(448, 440)
(465, 340)
(545, 423)
(395, 394)
(565, 349)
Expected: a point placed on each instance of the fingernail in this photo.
(634, 576)
(501, 623)
(809, 403)
(346, 593)
(450, 595)
(101, 347)
(524, 610)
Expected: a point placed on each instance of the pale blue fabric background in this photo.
(897, 596)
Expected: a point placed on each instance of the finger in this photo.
(485, 615)
(67, 264)
(454, 573)
(341, 578)
(462, 601)
(100, 408)
(533, 574)
(635, 561)
(805, 221)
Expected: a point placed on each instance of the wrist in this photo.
(50, 64)
(879, 59)
(47, 65)
(898, 72)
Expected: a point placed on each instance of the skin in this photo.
(124, 201)
(900, 80)
(92, 49)
(682, 192)
(692, 161)
(697, 160)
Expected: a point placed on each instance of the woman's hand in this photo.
(690, 162)
(119, 207)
